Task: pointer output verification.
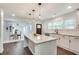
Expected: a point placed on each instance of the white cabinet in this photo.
(67, 42)
(56, 36)
(64, 41)
(43, 48)
(70, 43)
(60, 41)
(74, 45)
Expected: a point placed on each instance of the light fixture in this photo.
(39, 16)
(69, 7)
(33, 12)
(39, 4)
(13, 14)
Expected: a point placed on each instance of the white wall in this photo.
(0, 29)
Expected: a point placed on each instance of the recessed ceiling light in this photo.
(13, 14)
(69, 7)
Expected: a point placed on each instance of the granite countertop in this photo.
(40, 38)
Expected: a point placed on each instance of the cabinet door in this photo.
(64, 41)
(59, 40)
(74, 44)
(56, 36)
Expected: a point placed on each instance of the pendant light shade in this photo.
(39, 4)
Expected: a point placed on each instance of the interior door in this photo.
(38, 28)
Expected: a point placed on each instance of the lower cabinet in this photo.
(70, 43)
(74, 45)
(64, 41)
(56, 36)
(43, 48)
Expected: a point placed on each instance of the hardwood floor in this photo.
(18, 49)
(61, 51)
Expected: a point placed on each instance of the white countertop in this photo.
(74, 35)
(40, 38)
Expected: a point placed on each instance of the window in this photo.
(69, 23)
(50, 25)
(30, 27)
(55, 25)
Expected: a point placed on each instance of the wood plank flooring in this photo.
(18, 49)
(61, 51)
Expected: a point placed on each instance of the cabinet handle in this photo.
(59, 38)
(69, 41)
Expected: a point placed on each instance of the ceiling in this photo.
(47, 10)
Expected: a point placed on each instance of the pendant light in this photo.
(33, 13)
(39, 4)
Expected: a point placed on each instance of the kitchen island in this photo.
(42, 45)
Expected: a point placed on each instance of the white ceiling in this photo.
(47, 10)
